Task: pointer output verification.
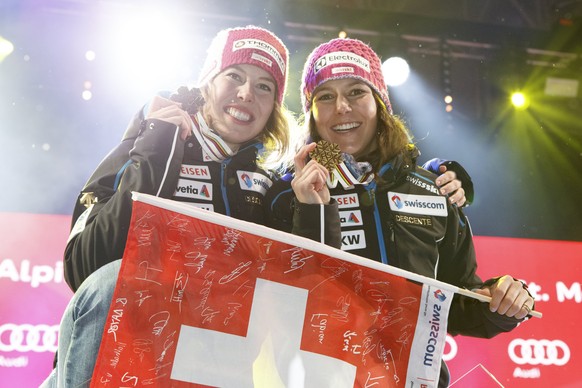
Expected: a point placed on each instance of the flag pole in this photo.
(487, 299)
(299, 241)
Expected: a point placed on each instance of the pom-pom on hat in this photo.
(343, 58)
(247, 45)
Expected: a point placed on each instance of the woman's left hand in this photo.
(449, 184)
(508, 297)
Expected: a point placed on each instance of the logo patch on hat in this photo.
(260, 58)
(342, 69)
(256, 44)
(343, 58)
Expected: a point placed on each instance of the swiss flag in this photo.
(206, 300)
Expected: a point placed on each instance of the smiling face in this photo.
(345, 113)
(239, 103)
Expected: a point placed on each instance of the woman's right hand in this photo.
(170, 111)
(309, 182)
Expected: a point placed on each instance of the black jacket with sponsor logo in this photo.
(152, 159)
(402, 220)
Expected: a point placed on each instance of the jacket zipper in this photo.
(372, 193)
(223, 166)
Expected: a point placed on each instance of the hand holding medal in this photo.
(327, 154)
(342, 167)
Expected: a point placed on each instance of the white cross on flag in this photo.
(204, 300)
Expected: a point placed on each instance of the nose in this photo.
(245, 92)
(343, 105)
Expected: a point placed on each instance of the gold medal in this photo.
(327, 154)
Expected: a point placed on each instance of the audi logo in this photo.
(452, 348)
(536, 352)
(28, 338)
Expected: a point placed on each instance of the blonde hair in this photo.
(276, 136)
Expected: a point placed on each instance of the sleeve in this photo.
(316, 222)
(462, 174)
(143, 162)
(467, 316)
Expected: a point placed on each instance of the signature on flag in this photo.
(206, 300)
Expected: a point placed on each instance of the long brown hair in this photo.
(392, 135)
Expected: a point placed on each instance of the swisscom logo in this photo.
(254, 181)
(440, 295)
(430, 205)
(247, 180)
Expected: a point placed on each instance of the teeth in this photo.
(345, 127)
(237, 114)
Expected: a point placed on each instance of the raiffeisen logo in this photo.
(396, 201)
(440, 295)
(247, 180)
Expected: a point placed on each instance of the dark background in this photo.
(526, 165)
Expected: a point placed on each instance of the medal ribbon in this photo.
(213, 147)
(349, 177)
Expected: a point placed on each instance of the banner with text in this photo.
(206, 300)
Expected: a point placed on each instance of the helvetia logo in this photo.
(353, 218)
(397, 201)
(204, 192)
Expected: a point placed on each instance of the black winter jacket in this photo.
(402, 220)
(152, 159)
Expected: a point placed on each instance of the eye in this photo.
(357, 92)
(265, 87)
(323, 97)
(235, 76)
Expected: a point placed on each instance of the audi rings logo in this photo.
(28, 338)
(451, 350)
(538, 352)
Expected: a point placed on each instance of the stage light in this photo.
(519, 100)
(342, 34)
(6, 48)
(147, 59)
(449, 108)
(396, 71)
(448, 99)
(90, 55)
(86, 95)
